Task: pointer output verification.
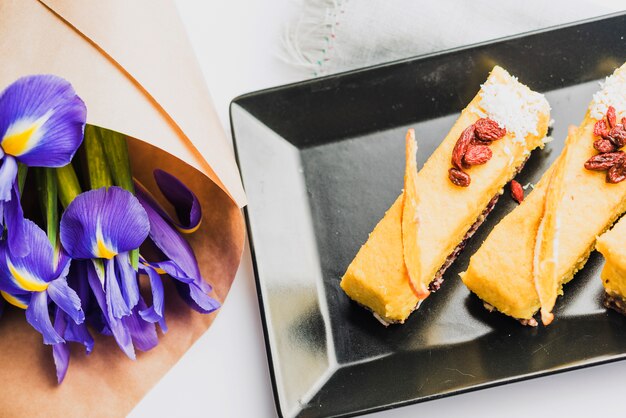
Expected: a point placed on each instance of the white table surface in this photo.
(225, 374)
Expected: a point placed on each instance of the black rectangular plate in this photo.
(323, 160)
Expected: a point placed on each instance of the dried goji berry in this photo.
(477, 154)
(460, 148)
(617, 135)
(611, 117)
(517, 193)
(459, 177)
(605, 161)
(604, 145)
(617, 173)
(600, 128)
(488, 129)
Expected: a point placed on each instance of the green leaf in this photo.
(47, 189)
(97, 167)
(116, 151)
(67, 182)
(22, 171)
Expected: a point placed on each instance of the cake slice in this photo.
(421, 234)
(611, 245)
(524, 262)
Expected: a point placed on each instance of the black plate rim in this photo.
(275, 89)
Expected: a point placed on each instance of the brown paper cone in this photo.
(132, 65)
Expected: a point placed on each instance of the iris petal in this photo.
(116, 305)
(143, 333)
(168, 240)
(66, 299)
(185, 202)
(34, 271)
(172, 269)
(14, 222)
(60, 351)
(8, 175)
(120, 332)
(38, 317)
(198, 299)
(128, 279)
(111, 217)
(19, 300)
(41, 121)
(154, 313)
(182, 262)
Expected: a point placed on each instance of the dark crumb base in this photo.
(616, 303)
(532, 322)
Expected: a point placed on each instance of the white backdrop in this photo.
(225, 374)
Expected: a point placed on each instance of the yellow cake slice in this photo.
(520, 268)
(612, 246)
(445, 213)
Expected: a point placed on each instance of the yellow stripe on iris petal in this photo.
(102, 250)
(26, 281)
(159, 270)
(13, 300)
(22, 136)
(188, 230)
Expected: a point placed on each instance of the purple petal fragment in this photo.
(128, 279)
(14, 222)
(116, 305)
(113, 215)
(154, 313)
(38, 317)
(185, 202)
(120, 332)
(182, 264)
(143, 332)
(60, 351)
(35, 269)
(8, 175)
(66, 299)
(41, 121)
(168, 240)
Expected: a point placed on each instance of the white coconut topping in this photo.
(527, 185)
(612, 93)
(513, 105)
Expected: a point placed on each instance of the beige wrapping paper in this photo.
(131, 63)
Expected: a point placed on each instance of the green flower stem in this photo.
(47, 189)
(116, 151)
(22, 171)
(99, 174)
(112, 146)
(68, 186)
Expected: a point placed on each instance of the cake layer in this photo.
(501, 271)
(377, 278)
(611, 245)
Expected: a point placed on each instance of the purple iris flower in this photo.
(177, 256)
(38, 283)
(103, 225)
(41, 125)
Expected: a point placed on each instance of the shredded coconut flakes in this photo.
(612, 93)
(513, 105)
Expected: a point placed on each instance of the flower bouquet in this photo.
(111, 245)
